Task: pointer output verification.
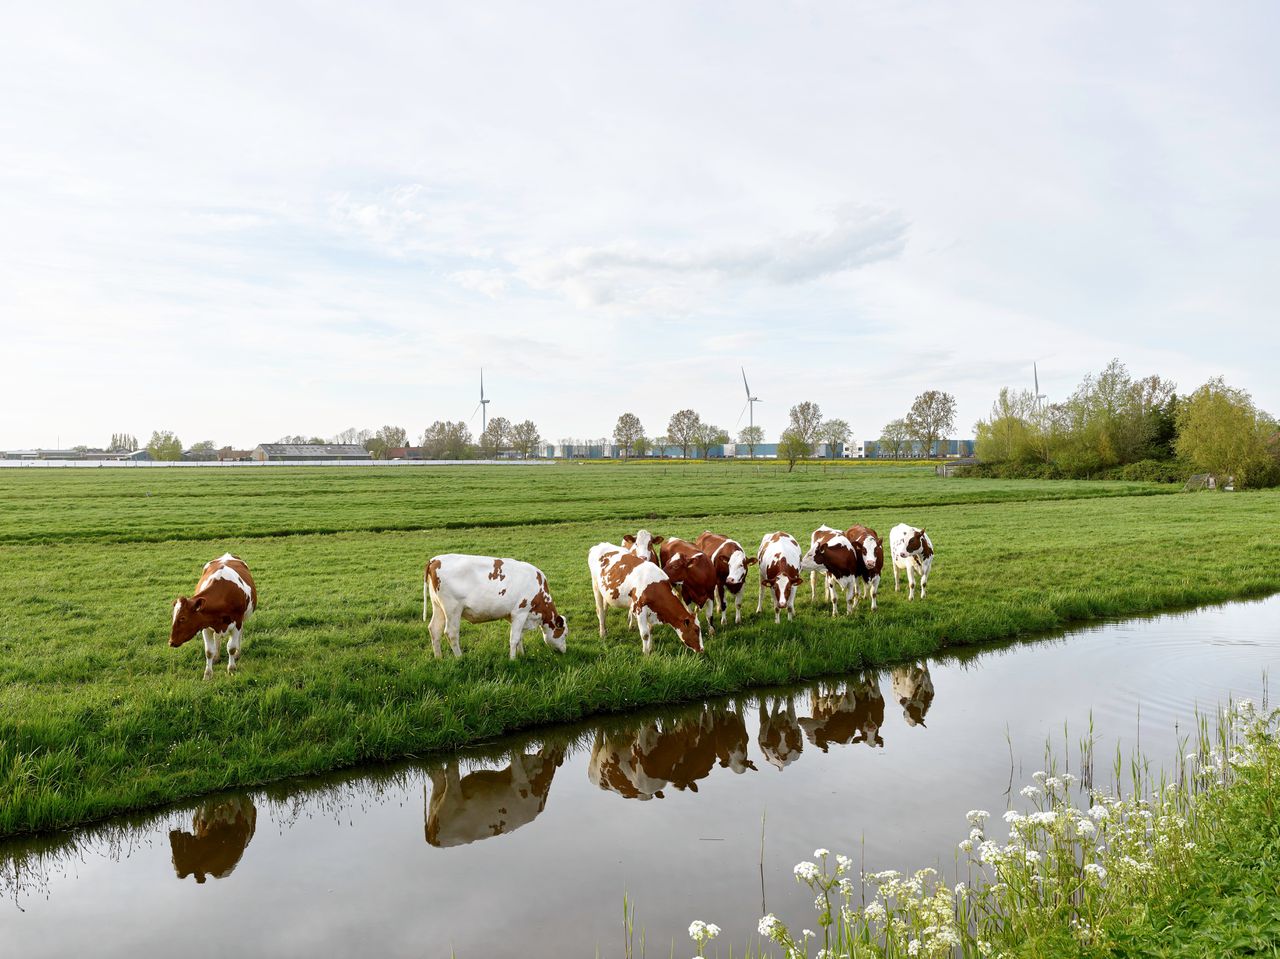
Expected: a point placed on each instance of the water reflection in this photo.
(487, 802)
(780, 739)
(220, 832)
(913, 688)
(843, 713)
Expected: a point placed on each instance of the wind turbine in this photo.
(1039, 396)
(750, 407)
(482, 406)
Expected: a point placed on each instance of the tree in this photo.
(932, 417)
(496, 436)
(164, 446)
(709, 436)
(682, 430)
(1006, 436)
(352, 436)
(834, 433)
(806, 420)
(894, 437)
(792, 446)
(204, 450)
(446, 440)
(642, 446)
(751, 437)
(393, 437)
(122, 443)
(627, 432)
(525, 439)
(1220, 431)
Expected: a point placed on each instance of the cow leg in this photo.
(924, 578)
(777, 605)
(517, 636)
(873, 587)
(436, 628)
(737, 607)
(646, 634)
(233, 648)
(791, 602)
(724, 607)
(895, 576)
(911, 584)
(813, 586)
(453, 629)
(760, 597)
(831, 595)
(210, 651)
(599, 596)
(709, 611)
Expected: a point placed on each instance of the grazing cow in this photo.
(912, 551)
(779, 559)
(913, 686)
(224, 598)
(481, 589)
(730, 562)
(622, 579)
(780, 738)
(869, 551)
(834, 556)
(851, 715)
(220, 832)
(489, 802)
(690, 569)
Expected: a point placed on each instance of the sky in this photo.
(244, 220)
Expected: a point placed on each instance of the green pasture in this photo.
(98, 715)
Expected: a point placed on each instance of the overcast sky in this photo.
(238, 221)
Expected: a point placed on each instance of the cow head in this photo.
(690, 631)
(643, 544)
(189, 618)
(555, 633)
(916, 541)
(738, 563)
(811, 562)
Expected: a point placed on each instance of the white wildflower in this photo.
(771, 927)
(1099, 813)
(1097, 871)
(807, 933)
(977, 817)
(966, 845)
(1030, 792)
(961, 890)
(806, 872)
(1033, 857)
(976, 834)
(874, 912)
(1052, 784)
(1039, 776)
(1069, 779)
(843, 863)
(821, 853)
(1086, 828)
(913, 947)
(1012, 816)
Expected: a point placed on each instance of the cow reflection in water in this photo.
(489, 802)
(780, 739)
(913, 688)
(642, 763)
(220, 831)
(852, 712)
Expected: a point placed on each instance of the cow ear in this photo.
(197, 604)
(629, 540)
(657, 539)
(559, 621)
(751, 561)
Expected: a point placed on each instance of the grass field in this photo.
(98, 715)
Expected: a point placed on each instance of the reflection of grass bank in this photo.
(1189, 867)
(98, 715)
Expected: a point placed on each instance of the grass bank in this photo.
(98, 716)
(1179, 865)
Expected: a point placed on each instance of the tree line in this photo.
(1115, 426)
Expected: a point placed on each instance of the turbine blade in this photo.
(744, 381)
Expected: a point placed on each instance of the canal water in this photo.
(527, 847)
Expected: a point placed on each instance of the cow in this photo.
(869, 550)
(779, 560)
(913, 687)
(621, 579)
(224, 598)
(912, 551)
(691, 569)
(489, 802)
(820, 535)
(834, 556)
(481, 589)
(220, 833)
(644, 544)
(853, 714)
(730, 562)
(780, 738)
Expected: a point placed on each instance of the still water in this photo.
(526, 848)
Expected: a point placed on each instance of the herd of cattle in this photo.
(658, 580)
(641, 760)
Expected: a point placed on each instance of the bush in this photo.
(1150, 471)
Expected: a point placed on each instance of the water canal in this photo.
(526, 847)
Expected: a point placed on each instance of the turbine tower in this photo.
(482, 406)
(1038, 395)
(750, 407)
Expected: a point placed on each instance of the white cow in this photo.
(623, 580)
(779, 559)
(912, 551)
(481, 589)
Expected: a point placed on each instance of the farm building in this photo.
(102, 456)
(308, 452)
(228, 455)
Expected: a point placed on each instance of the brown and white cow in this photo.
(912, 551)
(691, 569)
(224, 598)
(730, 561)
(624, 580)
(481, 589)
(780, 739)
(644, 544)
(489, 802)
(869, 549)
(833, 555)
(220, 833)
(779, 559)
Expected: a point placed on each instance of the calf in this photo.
(690, 568)
(779, 559)
(481, 589)
(620, 578)
(869, 552)
(730, 562)
(224, 598)
(912, 551)
(833, 555)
